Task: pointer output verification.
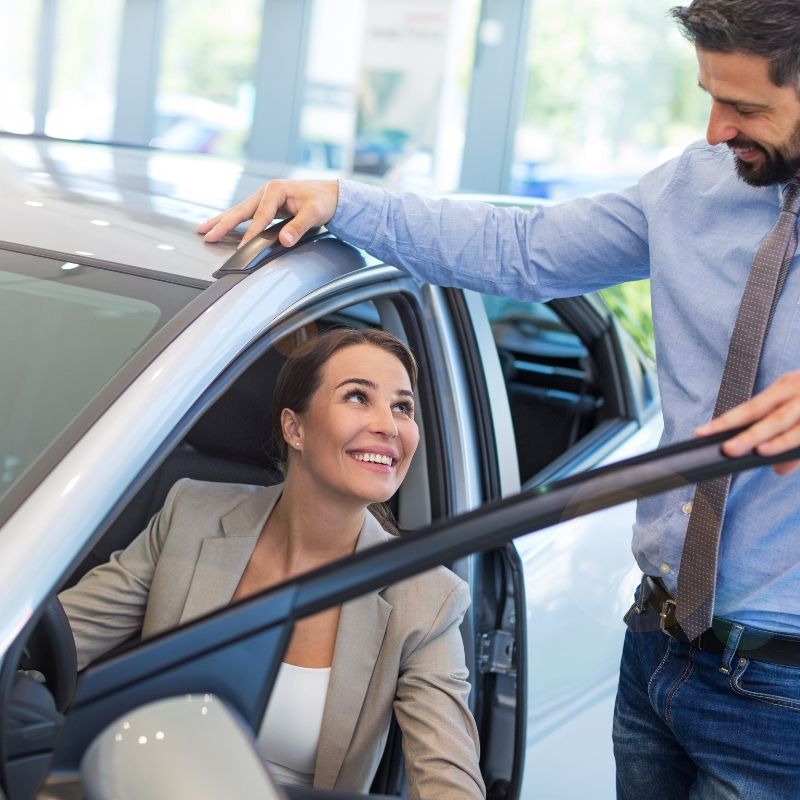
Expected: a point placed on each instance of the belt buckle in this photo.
(664, 613)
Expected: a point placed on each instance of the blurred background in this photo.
(539, 98)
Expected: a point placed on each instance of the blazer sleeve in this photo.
(107, 606)
(440, 738)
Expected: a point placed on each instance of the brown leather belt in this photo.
(755, 643)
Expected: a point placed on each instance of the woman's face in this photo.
(358, 435)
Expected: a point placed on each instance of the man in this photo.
(705, 708)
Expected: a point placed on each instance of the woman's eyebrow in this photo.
(360, 382)
(371, 385)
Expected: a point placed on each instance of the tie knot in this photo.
(791, 197)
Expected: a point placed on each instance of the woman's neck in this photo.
(308, 527)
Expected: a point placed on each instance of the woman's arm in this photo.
(440, 739)
(106, 607)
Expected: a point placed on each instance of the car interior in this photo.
(551, 378)
(559, 369)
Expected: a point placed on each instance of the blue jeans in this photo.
(685, 729)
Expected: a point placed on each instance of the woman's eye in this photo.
(355, 397)
(405, 408)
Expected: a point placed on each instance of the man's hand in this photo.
(774, 419)
(310, 203)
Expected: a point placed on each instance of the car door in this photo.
(207, 654)
(562, 388)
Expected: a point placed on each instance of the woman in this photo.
(343, 411)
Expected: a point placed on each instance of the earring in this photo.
(297, 444)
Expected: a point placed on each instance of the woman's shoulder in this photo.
(197, 509)
(217, 496)
(429, 590)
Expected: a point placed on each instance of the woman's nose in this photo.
(385, 423)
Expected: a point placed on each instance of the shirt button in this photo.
(665, 568)
(687, 508)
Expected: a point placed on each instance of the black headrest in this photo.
(238, 426)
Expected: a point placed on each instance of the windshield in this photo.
(65, 329)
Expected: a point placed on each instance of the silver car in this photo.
(133, 354)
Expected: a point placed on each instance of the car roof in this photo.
(136, 207)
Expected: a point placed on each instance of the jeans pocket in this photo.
(770, 683)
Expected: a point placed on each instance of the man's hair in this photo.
(766, 28)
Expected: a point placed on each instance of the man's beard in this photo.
(778, 165)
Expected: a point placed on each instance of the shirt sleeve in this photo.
(107, 606)
(550, 251)
(440, 739)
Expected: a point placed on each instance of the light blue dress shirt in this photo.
(691, 226)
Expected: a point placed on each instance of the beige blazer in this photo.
(399, 648)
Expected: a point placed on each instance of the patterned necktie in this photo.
(698, 569)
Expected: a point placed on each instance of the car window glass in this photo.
(65, 329)
(550, 379)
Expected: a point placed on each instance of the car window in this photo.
(65, 329)
(554, 390)
(630, 302)
(232, 442)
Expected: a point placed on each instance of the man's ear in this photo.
(292, 428)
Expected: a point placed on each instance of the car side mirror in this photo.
(176, 749)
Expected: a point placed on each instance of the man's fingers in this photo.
(268, 207)
(205, 227)
(756, 436)
(310, 203)
(772, 418)
(785, 467)
(752, 410)
(306, 218)
(743, 414)
(218, 226)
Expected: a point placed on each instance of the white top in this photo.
(289, 734)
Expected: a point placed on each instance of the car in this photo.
(134, 353)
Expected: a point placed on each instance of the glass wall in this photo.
(204, 100)
(84, 69)
(610, 85)
(611, 92)
(18, 36)
(387, 88)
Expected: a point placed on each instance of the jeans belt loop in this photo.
(731, 646)
(668, 604)
(640, 597)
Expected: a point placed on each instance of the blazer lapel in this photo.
(362, 626)
(223, 559)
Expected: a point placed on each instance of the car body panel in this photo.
(133, 206)
(574, 573)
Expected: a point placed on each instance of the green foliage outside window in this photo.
(630, 303)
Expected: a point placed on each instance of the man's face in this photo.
(758, 120)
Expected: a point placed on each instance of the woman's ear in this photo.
(292, 429)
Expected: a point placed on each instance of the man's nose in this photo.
(720, 125)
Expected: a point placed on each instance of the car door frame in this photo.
(202, 655)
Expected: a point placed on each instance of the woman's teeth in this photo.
(374, 458)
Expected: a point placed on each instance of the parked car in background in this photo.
(133, 354)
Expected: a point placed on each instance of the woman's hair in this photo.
(301, 376)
